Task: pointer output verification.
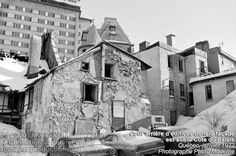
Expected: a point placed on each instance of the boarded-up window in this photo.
(171, 88)
(90, 92)
(31, 98)
(181, 86)
(230, 86)
(208, 91)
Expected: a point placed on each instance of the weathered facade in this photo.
(80, 95)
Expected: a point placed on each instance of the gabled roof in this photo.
(92, 37)
(105, 32)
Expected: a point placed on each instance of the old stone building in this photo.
(102, 89)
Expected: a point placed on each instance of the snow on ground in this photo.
(12, 142)
(220, 118)
(182, 120)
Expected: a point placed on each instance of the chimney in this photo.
(170, 40)
(143, 46)
(34, 57)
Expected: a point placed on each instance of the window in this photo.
(71, 35)
(2, 32)
(85, 66)
(26, 36)
(4, 5)
(79, 26)
(70, 51)
(27, 18)
(3, 23)
(16, 25)
(3, 14)
(72, 18)
(27, 127)
(63, 42)
(50, 23)
(180, 65)
(42, 21)
(18, 8)
(181, 87)
(202, 67)
(71, 43)
(24, 45)
(79, 34)
(63, 17)
(28, 10)
(71, 26)
(171, 88)
(39, 29)
(50, 14)
(169, 61)
(42, 12)
(63, 25)
(90, 92)
(26, 27)
(61, 50)
(1, 41)
(84, 50)
(16, 34)
(62, 33)
(208, 91)
(19, 17)
(31, 96)
(109, 70)
(230, 86)
(14, 43)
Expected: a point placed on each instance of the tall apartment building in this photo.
(21, 18)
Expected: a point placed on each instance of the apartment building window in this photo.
(31, 99)
(14, 43)
(71, 34)
(62, 33)
(71, 43)
(26, 27)
(28, 10)
(43, 13)
(72, 18)
(169, 61)
(18, 8)
(27, 36)
(85, 66)
(41, 21)
(16, 25)
(3, 14)
(208, 91)
(202, 67)
(181, 65)
(90, 92)
(63, 17)
(19, 17)
(63, 25)
(50, 14)
(71, 26)
(27, 18)
(3, 23)
(16, 34)
(79, 26)
(4, 5)
(181, 87)
(1, 41)
(49, 30)
(24, 45)
(50, 22)
(63, 42)
(79, 33)
(171, 88)
(61, 50)
(2, 32)
(230, 86)
(70, 51)
(39, 29)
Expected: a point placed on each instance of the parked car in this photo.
(77, 146)
(179, 138)
(132, 143)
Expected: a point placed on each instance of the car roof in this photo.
(126, 132)
(172, 128)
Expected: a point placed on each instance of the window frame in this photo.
(169, 61)
(171, 89)
(30, 98)
(112, 70)
(96, 93)
(182, 90)
(208, 88)
(181, 68)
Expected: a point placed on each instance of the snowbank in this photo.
(182, 120)
(12, 142)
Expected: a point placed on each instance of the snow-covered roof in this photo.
(12, 74)
(213, 76)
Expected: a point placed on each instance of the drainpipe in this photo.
(186, 85)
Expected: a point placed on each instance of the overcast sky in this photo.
(151, 20)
